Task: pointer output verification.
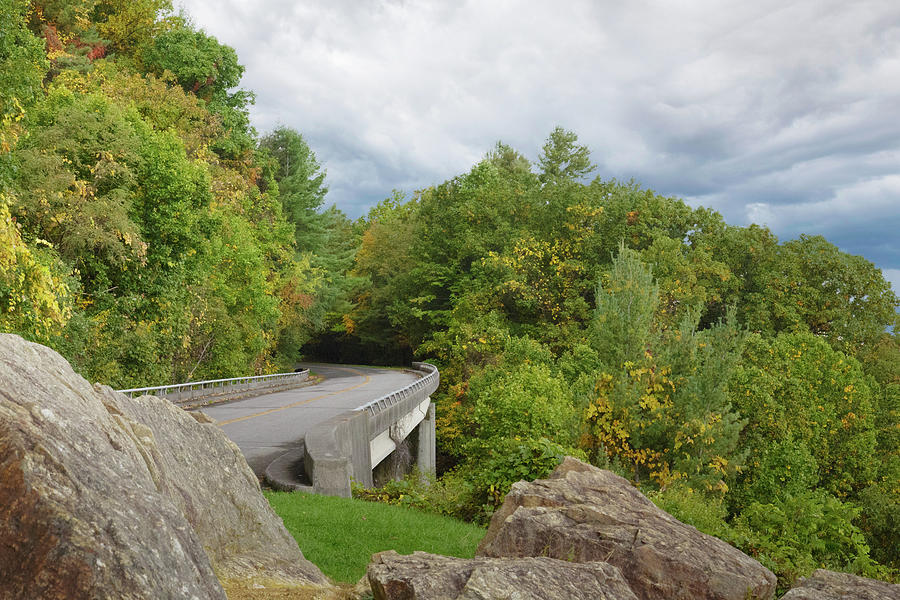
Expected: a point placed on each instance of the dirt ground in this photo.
(246, 590)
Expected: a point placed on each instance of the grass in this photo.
(339, 535)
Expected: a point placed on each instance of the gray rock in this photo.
(207, 478)
(585, 514)
(423, 576)
(829, 585)
(93, 501)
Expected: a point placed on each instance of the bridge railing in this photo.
(339, 449)
(198, 392)
(419, 388)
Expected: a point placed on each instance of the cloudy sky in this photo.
(775, 112)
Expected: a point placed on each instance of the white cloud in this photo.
(787, 113)
(893, 276)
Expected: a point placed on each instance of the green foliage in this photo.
(451, 495)
(880, 517)
(77, 182)
(806, 284)
(796, 388)
(35, 295)
(198, 61)
(22, 65)
(562, 160)
(203, 66)
(659, 403)
(795, 535)
(526, 401)
(379, 307)
(131, 246)
(506, 461)
(620, 330)
(783, 468)
(129, 25)
(704, 511)
(324, 237)
(301, 180)
(670, 379)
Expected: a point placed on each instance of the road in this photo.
(265, 427)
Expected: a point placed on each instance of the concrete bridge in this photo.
(350, 425)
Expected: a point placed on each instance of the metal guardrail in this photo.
(194, 390)
(428, 383)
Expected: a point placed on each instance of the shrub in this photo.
(506, 461)
(693, 507)
(786, 467)
(880, 518)
(528, 402)
(451, 495)
(795, 535)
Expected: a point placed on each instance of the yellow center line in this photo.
(302, 402)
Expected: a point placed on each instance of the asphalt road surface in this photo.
(265, 427)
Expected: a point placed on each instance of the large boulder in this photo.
(105, 496)
(828, 585)
(423, 576)
(205, 475)
(584, 514)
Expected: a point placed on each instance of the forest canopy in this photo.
(749, 386)
(144, 232)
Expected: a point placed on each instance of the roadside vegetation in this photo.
(340, 535)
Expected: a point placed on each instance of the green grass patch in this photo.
(339, 535)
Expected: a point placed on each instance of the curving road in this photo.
(265, 427)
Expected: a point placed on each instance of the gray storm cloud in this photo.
(785, 113)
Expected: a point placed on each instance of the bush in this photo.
(880, 518)
(506, 461)
(450, 495)
(528, 402)
(693, 507)
(786, 467)
(795, 535)
(473, 491)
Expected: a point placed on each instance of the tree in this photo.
(76, 184)
(621, 328)
(129, 25)
(562, 160)
(301, 184)
(796, 387)
(806, 284)
(659, 402)
(35, 294)
(842, 297)
(203, 66)
(198, 61)
(22, 67)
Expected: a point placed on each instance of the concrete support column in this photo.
(426, 455)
